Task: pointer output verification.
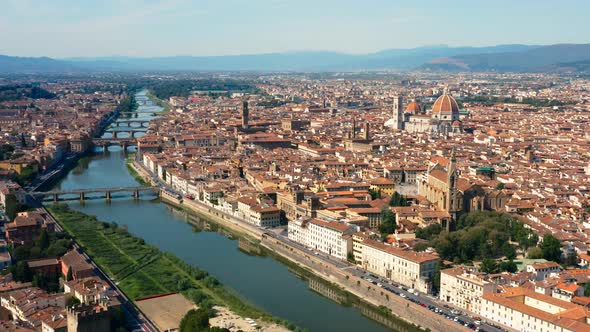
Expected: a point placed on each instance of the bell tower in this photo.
(398, 113)
(453, 204)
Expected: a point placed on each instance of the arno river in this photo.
(261, 281)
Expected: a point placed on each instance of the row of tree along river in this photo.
(258, 278)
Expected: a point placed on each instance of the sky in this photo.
(93, 28)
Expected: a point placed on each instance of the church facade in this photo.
(442, 119)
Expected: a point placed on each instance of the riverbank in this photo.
(141, 270)
(129, 162)
(165, 106)
(412, 313)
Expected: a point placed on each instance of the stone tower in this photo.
(245, 113)
(88, 318)
(398, 112)
(453, 204)
(366, 133)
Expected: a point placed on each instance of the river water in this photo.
(262, 281)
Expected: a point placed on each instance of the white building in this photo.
(464, 288)
(543, 270)
(329, 237)
(404, 266)
(525, 310)
(259, 213)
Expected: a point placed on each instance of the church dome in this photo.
(414, 108)
(445, 104)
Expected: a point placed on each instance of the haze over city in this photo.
(148, 28)
(276, 166)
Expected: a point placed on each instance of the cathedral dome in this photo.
(446, 105)
(414, 108)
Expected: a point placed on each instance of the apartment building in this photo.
(404, 266)
(329, 237)
(464, 288)
(525, 310)
(259, 213)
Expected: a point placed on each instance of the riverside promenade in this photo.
(336, 272)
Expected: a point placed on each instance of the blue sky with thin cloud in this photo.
(61, 28)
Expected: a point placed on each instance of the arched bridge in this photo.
(130, 132)
(108, 192)
(106, 142)
(127, 123)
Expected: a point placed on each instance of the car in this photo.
(400, 287)
(455, 312)
(403, 296)
(477, 322)
(456, 319)
(379, 284)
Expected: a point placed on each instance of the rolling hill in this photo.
(540, 58)
(500, 58)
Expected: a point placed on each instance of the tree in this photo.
(11, 207)
(479, 235)
(534, 253)
(183, 284)
(508, 266)
(375, 194)
(421, 246)
(387, 222)
(587, 289)
(210, 281)
(118, 320)
(195, 320)
(72, 301)
(436, 280)
(196, 295)
(398, 200)
(428, 232)
(350, 257)
(571, 259)
(70, 275)
(551, 248)
(21, 272)
(43, 239)
(488, 265)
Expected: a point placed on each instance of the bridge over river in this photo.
(81, 194)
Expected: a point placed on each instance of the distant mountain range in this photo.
(543, 58)
(500, 58)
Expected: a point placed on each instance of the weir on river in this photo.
(261, 281)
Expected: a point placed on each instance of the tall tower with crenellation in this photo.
(245, 114)
(88, 318)
(398, 113)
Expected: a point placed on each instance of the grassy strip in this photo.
(133, 172)
(141, 270)
(165, 106)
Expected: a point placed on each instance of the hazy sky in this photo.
(60, 28)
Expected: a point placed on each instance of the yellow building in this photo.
(386, 186)
(18, 166)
